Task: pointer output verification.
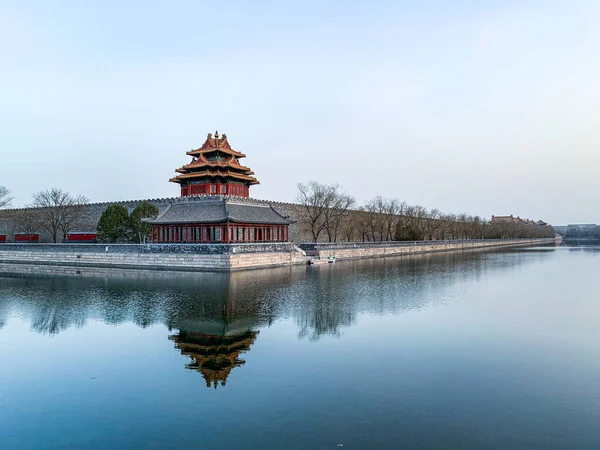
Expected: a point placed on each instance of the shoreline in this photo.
(228, 257)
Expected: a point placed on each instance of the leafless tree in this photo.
(383, 216)
(324, 207)
(431, 224)
(350, 226)
(329, 210)
(338, 205)
(27, 221)
(361, 219)
(59, 211)
(412, 225)
(373, 221)
(311, 197)
(5, 198)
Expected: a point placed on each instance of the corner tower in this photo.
(215, 170)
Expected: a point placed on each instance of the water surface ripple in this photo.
(466, 350)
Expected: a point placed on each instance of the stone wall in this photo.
(93, 212)
(223, 257)
(382, 249)
(187, 257)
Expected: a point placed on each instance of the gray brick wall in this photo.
(95, 210)
(198, 257)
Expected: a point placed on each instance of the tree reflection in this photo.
(321, 300)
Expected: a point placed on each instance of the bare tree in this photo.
(373, 220)
(324, 206)
(312, 198)
(59, 211)
(412, 227)
(392, 210)
(350, 226)
(74, 214)
(383, 217)
(27, 221)
(431, 224)
(361, 219)
(338, 204)
(5, 198)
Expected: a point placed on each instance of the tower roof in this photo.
(215, 143)
(214, 162)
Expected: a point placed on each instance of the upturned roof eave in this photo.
(200, 151)
(192, 175)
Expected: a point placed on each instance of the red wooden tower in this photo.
(209, 213)
(215, 169)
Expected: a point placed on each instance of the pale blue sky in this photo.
(466, 106)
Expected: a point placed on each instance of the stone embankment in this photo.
(226, 257)
(187, 257)
(382, 249)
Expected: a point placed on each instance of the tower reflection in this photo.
(214, 319)
(214, 355)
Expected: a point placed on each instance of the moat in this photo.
(496, 349)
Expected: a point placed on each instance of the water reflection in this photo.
(214, 355)
(215, 318)
(322, 300)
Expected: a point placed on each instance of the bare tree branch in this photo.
(5, 198)
(59, 211)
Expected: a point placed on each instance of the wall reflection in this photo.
(215, 318)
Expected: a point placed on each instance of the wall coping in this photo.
(266, 247)
(351, 245)
(172, 200)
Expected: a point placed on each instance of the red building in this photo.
(27, 237)
(81, 236)
(215, 169)
(2, 238)
(215, 175)
(219, 219)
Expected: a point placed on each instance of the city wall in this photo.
(186, 257)
(93, 211)
(224, 257)
(382, 249)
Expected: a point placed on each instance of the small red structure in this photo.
(81, 236)
(27, 237)
(2, 238)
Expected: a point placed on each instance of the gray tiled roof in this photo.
(219, 211)
(249, 213)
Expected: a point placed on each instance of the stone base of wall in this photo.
(155, 257)
(221, 257)
(378, 250)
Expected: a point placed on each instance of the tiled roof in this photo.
(220, 211)
(204, 163)
(232, 166)
(216, 143)
(206, 173)
(248, 213)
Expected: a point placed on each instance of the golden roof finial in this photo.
(217, 134)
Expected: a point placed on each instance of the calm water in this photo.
(478, 350)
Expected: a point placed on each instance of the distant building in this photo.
(582, 226)
(518, 220)
(579, 230)
(561, 229)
